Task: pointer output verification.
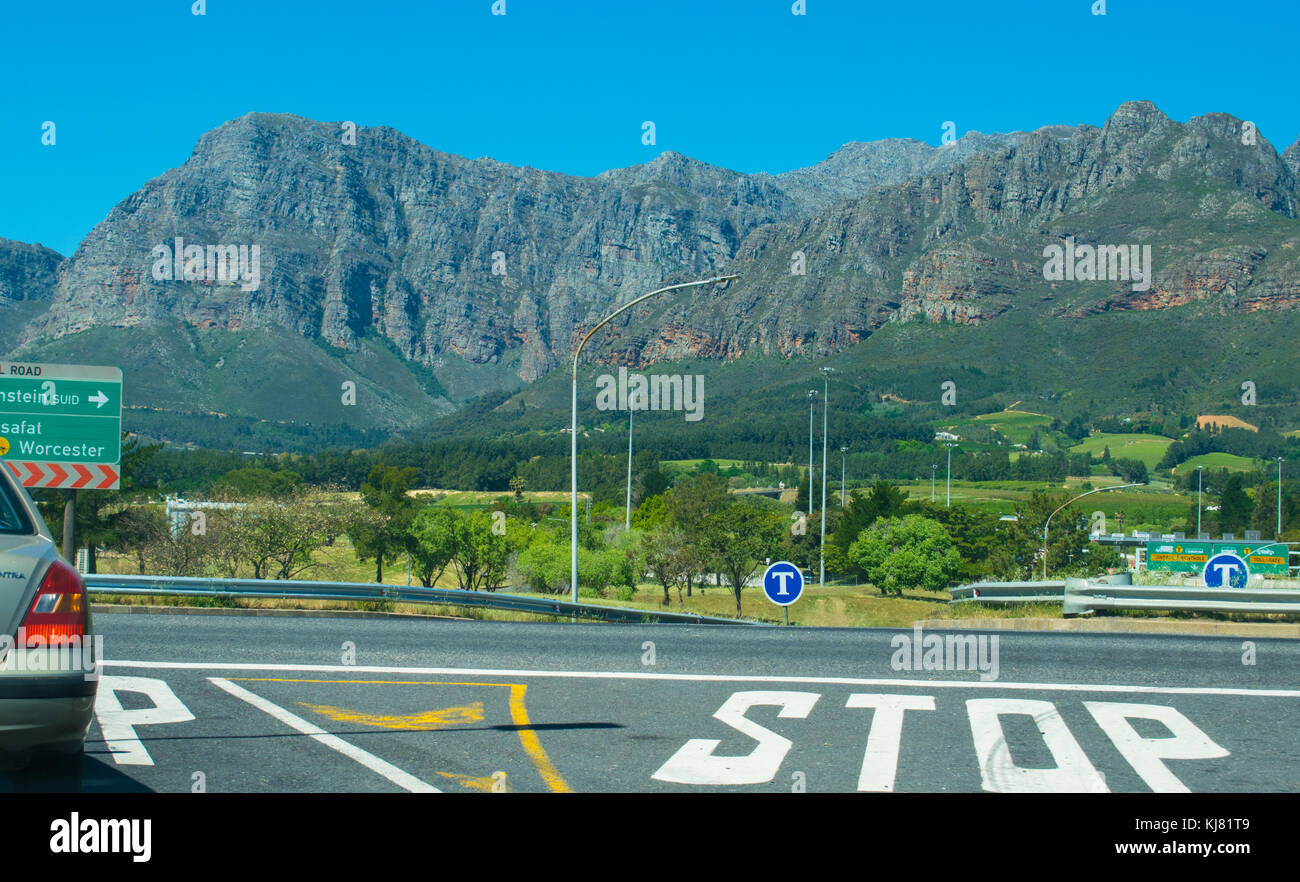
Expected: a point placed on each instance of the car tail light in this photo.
(59, 607)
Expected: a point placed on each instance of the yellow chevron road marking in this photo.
(528, 739)
(483, 785)
(421, 721)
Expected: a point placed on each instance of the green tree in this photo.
(434, 535)
(1235, 507)
(544, 565)
(481, 553)
(651, 513)
(737, 539)
(975, 535)
(254, 481)
(277, 537)
(667, 559)
(907, 552)
(883, 500)
(695, 498)
(1264, 517)
(1017, 550)
(383, 532)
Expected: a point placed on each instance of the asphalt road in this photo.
(315, 704)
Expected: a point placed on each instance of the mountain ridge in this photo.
(479, 274)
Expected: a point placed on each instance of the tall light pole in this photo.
(1199, 476)
(844, 492)
(948, 502)
(826, 403)
(627, 521)
(1278, 535)
(573, 446)
(1072, 501)
(933, 468)
(812, 399)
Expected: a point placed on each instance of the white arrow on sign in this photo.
(99, 398)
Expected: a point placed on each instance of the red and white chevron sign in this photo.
(65, 475)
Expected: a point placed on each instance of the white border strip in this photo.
(712, 678)
(351, 751)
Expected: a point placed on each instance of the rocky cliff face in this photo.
(27, 272)
(445, 256)
(1292, 157)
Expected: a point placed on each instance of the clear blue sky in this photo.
(566, 84)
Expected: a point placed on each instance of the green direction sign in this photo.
(1190, 555)
(60, 413)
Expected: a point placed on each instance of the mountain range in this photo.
(431, 280)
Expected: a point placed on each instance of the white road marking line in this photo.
(713, 678)
(369, 760)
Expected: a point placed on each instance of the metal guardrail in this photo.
(1024, 592)
(185, 586)
(1008, 592)
(1086, 595)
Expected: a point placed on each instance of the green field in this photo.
(1147, 448)
(1214, 461)
(678, 466)
(1142, 508)
(1016, 425)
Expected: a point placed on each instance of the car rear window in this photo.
(13, 516)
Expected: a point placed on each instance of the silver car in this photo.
(48, 660)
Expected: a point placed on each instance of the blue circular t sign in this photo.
(1225, 570)
(783, 583)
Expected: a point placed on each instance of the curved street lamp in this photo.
(573, 445)
(1071, 502)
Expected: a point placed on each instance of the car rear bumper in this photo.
(48, 711)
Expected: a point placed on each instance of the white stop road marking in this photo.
(696, 763)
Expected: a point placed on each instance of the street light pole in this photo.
(933, 468)
(844, 492)
(1199, 478)
(826, 403)
(573, 440)
(627, 521)
(812, 399)
(948, 502)
(1279, 499)
(1071, 502)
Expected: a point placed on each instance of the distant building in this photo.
(946, 436)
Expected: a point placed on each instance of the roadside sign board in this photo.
(1225, 570)
(783, 583)
(61, 424)
(1191, 556)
